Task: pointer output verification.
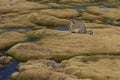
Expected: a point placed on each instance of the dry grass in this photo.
(16, 24)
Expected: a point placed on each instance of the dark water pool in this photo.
(4, 50)
(32, 40)
(79, 8)
(4, 74)
(15, 29)
(62, 29)
(102, 6)
(83, 7)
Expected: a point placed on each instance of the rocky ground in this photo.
(28, 34)
(4, 60)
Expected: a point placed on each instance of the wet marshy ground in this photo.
(9, 68)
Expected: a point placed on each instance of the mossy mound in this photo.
(94, 67)
(21, 4)
(54, 5)
(98, 26)
(1, 31)
(61, 13)
(46, 20)
(60, 45)
(42, 69)
(42, 74)
(30, 5)
(34, 51)
(91, 17)
(111, 13)
(8, 39)
(17, 24)
(105, 15)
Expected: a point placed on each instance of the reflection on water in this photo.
(79, 8)
(4, 74)
(102, 6)
(15, 29)
(62, 29)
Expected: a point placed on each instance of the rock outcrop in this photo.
(4, 60)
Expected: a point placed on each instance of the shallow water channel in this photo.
(16, 29)
(62, 29)
(11, 68)
(79, 8)
(5, 73)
